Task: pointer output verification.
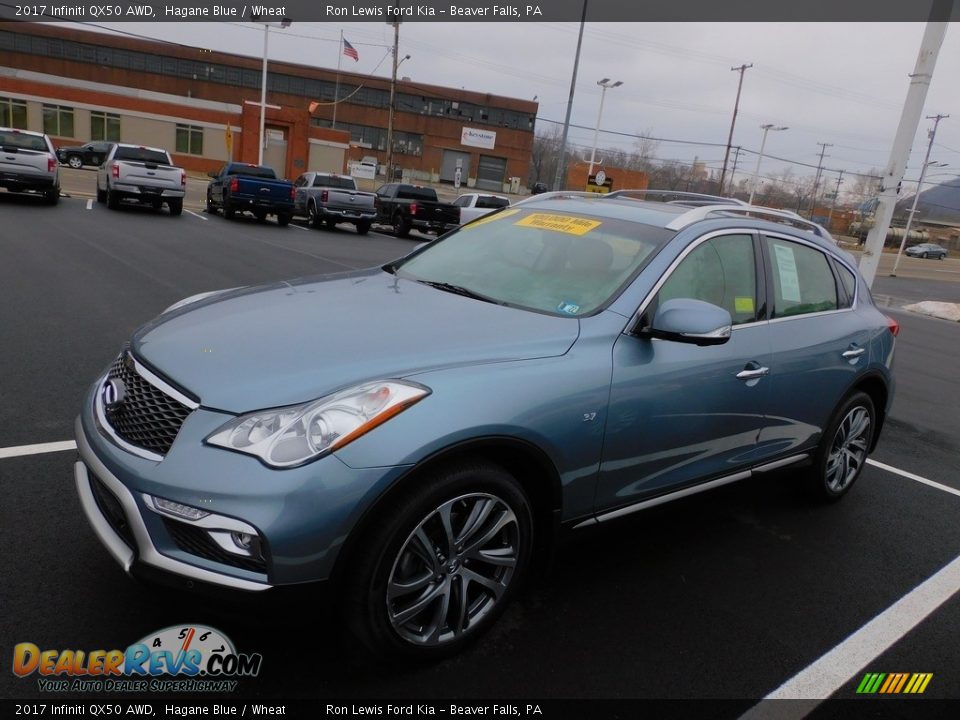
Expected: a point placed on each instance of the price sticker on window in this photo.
(559, 223)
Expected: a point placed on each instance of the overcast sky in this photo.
(834, 83)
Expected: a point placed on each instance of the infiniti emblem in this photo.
(113, 393)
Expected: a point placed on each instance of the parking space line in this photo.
(40, 449)
(911, 476)
(90, 204)
(834, 669)
(298, 227)
(196, 215)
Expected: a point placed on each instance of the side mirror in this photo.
(691, 321)
(212, 174)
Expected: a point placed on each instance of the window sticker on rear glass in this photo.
(743, 304)
(568, 308)
(787, 269)
(492, 218)
(559, 223)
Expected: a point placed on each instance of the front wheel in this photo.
(434, 573)
(844, 447)
(925, 255)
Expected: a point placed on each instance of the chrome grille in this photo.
(147, 418)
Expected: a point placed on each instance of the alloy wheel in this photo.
(848, 451)
(74, 162)
(453, 569)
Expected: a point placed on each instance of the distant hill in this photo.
(940, 204)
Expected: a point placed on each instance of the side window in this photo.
(462, 201)
(849, 282)
(300, 181)
(721, 271)
(802, 279)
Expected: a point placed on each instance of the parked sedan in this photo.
(416, 435)
(927, 250)
(93, 153)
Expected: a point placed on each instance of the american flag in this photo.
(350, 51)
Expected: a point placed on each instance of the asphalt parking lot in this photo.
(737, 593)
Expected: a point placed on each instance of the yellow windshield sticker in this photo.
(490, 218)
(559, 223)
(743, 304)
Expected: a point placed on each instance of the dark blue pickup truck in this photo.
(239, 187)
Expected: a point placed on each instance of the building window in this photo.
(407, 143)
(13, 113)
(58, 120)
(104, 126)
(190, 139)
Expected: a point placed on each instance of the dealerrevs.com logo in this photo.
(180, 658)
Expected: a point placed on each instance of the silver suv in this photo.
(28, 162)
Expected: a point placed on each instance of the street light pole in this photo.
(263, 79)
(763, 143)
(606, 85)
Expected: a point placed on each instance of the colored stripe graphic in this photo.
(894, 683)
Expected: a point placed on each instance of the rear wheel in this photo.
(228, 211)
(363, 227)
(52, 197)
(210, 208)
(844, 447)
(101, 195)
(260, 215)
(113, 199)
(75, 161)
(176, 206)
(925, 255)
(401, 226)
(284, 219)
(313, 217)
(434, 573)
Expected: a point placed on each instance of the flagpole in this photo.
(336, 90)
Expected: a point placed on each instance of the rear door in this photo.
(679, 413)
(819, 343)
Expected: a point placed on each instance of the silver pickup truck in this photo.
(144, 174)
(327, 199)
(28, 162)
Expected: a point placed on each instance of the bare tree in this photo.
(545, 154)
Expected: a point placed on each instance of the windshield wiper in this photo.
(459, 290)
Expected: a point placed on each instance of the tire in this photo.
(407, 550)
(283, 219)
(260, 215)
(176, 206)
(331, 223)
(228, 211)
(844, 447)
(314, 219)
(401, 226)
(101, 195)
(156, 204)
(363, 227)
(943, 255)
(925, 255)
(211, 210)
(52, 197)
(75, 161)
(113, 199)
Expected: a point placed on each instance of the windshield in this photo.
(560, 263)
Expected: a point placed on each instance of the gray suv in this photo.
(28, 162)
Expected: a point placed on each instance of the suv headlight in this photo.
(290, 436)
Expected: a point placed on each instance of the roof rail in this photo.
(784, 216)
(680, 197)
(556, 194)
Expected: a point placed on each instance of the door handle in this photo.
(849, 354)
(751, 374)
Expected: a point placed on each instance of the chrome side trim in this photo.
(781, 463)
(148, 553)
(692, 490)
(660, 499)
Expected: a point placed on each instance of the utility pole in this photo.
(933, 36)
(733, 122)
(393, 95)
(733, 170)
(916, 196)
(836, 194)
(816, 182)
(560, 177)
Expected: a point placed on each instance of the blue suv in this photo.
(417, 434)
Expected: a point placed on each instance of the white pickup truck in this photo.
(474, 205)
(144, 174)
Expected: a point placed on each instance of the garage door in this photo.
(490, 173)
(449, 166)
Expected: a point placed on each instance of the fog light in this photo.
(177, 510)
(242, 540)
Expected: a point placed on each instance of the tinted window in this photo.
(332, 181)
(258, 171)
(139, 154)
(22, 141)
(721, 271)
(491, 202)
(409, 192)
(802, 279)
(462, 201)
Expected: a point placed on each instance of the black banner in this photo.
(481, 10)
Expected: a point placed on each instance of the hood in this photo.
(253, 348)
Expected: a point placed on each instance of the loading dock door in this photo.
(448, 168)
(490, 173)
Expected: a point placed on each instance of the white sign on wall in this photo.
(363, 171)
(478, 138)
